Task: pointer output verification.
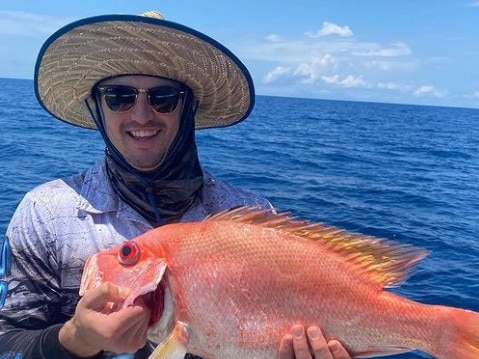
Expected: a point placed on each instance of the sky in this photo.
(406, 51)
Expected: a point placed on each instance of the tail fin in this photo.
(462, 340)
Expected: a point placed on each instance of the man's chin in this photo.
(144, 166)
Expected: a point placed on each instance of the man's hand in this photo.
(310, 344)
(98, 324)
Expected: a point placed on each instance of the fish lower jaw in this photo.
(130, 300)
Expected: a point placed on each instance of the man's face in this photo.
(142, 135)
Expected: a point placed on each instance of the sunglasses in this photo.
(121, 98)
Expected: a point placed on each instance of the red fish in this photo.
(235, 283)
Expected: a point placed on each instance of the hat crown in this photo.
(153, 14)
(75, 58)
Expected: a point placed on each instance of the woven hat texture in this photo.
(79, 55)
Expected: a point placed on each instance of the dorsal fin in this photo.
(386, 262)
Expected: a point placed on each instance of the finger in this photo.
(338, 351)
(127, 329)
(107, 292)
(129, 318)
(141, 335)
(134, 338)
(286, 350)
(318, 343)
(300, 343)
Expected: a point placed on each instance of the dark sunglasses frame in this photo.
(122, 98)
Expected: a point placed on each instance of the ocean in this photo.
(402, 172)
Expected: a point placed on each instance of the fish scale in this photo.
(239, 280)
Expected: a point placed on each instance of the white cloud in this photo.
(308, 72)
(376, 50)
(329, 28)
(326, 64)
(474, 4)
(348, 81)
(392, 86)
(400, 65)
(274, 38)
(309, 59)
(474, 96)
(429, 91)
(276, 73)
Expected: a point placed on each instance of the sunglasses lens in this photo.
(164, 99)
(120, 98)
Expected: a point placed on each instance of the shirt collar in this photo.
(98, 196)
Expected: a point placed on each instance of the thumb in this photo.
(104, 294)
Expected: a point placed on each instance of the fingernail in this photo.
(298, 331)
(314, 333)
(288, 337)
(124, 291)
(333, 346)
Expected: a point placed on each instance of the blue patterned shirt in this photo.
(55, 228)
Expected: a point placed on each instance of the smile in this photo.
(143, 133)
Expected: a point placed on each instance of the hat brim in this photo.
(82, 53)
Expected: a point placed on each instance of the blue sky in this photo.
(408, 51)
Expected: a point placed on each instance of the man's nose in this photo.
(142, 111)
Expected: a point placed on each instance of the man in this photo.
(145, 84)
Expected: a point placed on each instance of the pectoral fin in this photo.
(174, 346)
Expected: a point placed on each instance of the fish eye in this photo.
(129, 253)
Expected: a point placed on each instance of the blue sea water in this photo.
(407, 173)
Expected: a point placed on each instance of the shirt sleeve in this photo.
(32, 295)
(30, 317)
(35, 344)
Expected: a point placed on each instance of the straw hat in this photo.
(84, 52)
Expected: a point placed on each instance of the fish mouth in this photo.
(150, 287)
(154, 300)
(152, 296)
(146, 282)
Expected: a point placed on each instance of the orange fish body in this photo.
(241, 279)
